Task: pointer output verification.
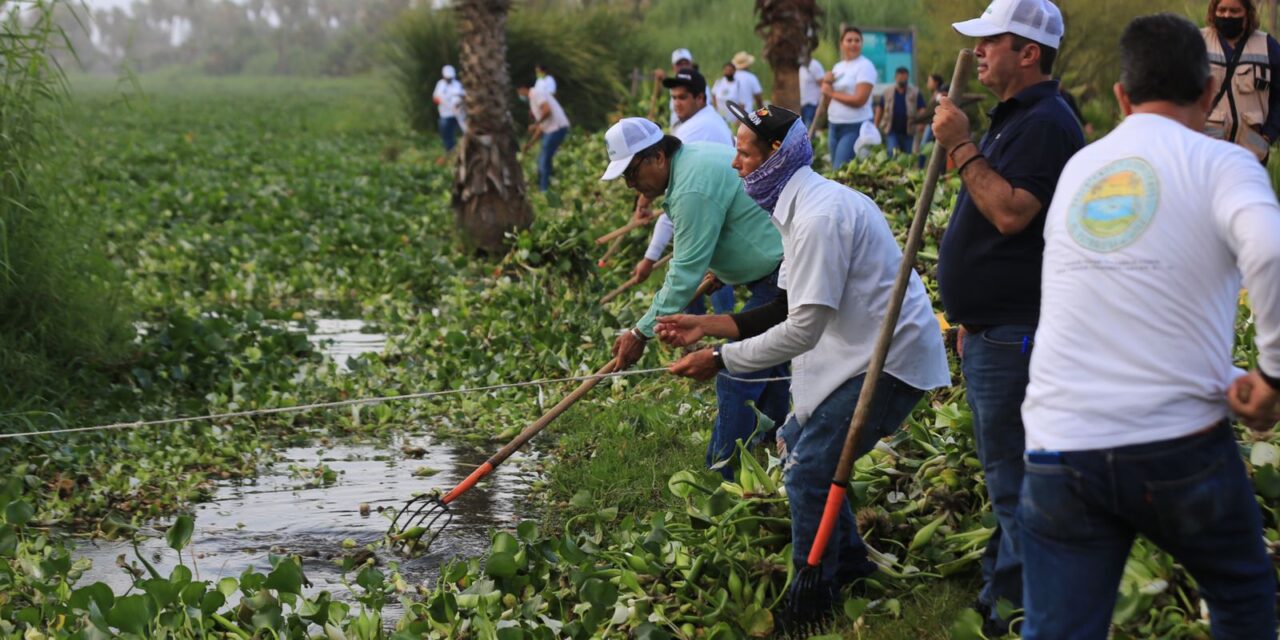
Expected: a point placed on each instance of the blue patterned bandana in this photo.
(765, 184)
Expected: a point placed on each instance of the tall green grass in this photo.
(58, 312)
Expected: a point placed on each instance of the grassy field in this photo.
(232, 206)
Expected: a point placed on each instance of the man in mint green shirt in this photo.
(718, 228)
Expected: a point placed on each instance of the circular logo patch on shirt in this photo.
(1114, 206)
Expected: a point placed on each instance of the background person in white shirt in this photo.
(695, 122)
(849, 83)
(545, 81)
(840, 261)
(548, 120)
(1150, 234)
(749, 88)
(810, 89)
(724, 90)
(447, 96)
(682, 60)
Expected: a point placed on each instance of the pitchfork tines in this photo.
(428, 516)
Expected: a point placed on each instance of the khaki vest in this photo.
(1251, 84)
(886, 100)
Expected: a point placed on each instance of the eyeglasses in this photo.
(629, 174)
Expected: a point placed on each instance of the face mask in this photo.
(728, 76)
(522, 98)
(1230, 28)
(902, 83)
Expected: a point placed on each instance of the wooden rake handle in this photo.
(542, 422)
(836, 495)
(630, 226)
(819, 114)
(633, 281)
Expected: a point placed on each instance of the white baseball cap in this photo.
(1036, 20)
(448, 72)
(624, 140)
(681, 54)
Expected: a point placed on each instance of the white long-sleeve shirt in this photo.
(839, 264)
(1150, 234)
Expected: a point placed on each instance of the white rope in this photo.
(353, 402)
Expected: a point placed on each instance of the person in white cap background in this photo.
(681, 60)
(696, 122)
(1153, 231)
(990, 257)
(849, 83)
(718, 228)
(841, 261)
(749, 87)
(448, 96)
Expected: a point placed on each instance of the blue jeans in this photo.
(721, 302)
(550, 144)
(842, 137)
(812, 454)
(924, 140)
(1190, 496)
(995, 367)
(896, 142)
(734, 419)
(807, 113)
(449, 130)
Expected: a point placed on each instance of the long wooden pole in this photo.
(819, 114)
(633, 281)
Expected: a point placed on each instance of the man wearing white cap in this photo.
(448, 98)
(682, 60)
(990, 258)
(718, 228)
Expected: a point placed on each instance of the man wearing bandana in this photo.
(839, 264)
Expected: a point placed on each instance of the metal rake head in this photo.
(422, 524)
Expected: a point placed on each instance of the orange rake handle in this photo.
(830, 514)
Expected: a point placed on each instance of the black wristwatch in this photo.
(715, 353)
(1271, 380)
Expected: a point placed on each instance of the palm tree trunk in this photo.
(488, 189)
(790, 32)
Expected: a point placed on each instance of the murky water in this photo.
(342, 339)
(282, 511)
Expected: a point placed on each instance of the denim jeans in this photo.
(734, 419)
(1190, 496)
(721, 302)
(896, 142)
(812, 454)
(550, 144)
(807, 113)
(841, 138)
(995, 367)
(449, 130)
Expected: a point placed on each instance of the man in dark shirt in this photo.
(894, 110)
(989, 269)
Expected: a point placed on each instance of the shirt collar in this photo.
(785, 208)
(1027, 97)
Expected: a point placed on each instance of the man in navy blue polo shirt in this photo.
(989, 269)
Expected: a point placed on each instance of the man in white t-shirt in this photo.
(682, 60)
(548, 120)
(695, 122)
(726, 88)
(840, 262)
(1149, 237)
(749, 88)
(447, 96)
(810, 89)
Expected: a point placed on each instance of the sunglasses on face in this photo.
(629, 174)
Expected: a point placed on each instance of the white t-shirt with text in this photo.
(1150, 234)
(848, 74)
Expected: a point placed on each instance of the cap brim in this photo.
(616, 168)
(979, 28)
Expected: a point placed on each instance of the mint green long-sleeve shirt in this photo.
(718, 228)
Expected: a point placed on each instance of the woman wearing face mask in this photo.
(1244, 109)
(849, 84)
